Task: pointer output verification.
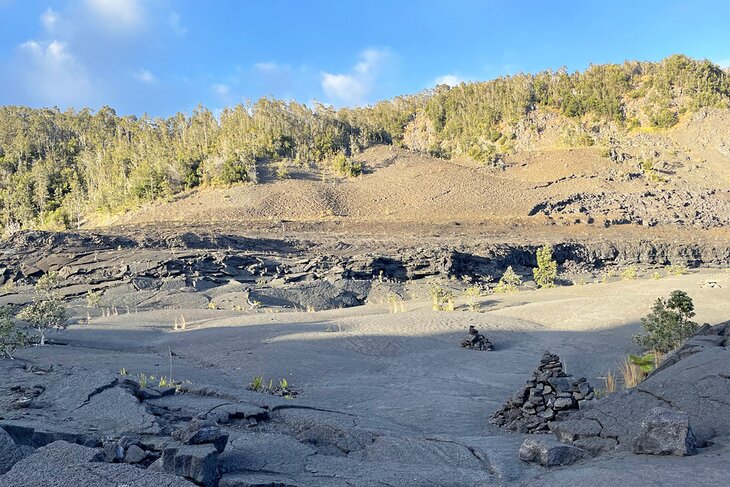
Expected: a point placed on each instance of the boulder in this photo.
(549, 452)
(135, 454)
(665, 432)
(196, 462)
(200, 432)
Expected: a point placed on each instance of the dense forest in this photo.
(58, 167)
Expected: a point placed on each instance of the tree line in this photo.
(58, 167)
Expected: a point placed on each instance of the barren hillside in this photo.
(684, 184)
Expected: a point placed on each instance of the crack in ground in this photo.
(98, 391)
(658, 397)
(281, 407)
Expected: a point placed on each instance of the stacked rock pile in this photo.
(476, 341)
(548, 396)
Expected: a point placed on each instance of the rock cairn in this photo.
(476, 341)
(549, 396)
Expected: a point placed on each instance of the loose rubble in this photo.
(476, 341)
(550, 395)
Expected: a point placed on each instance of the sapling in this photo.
(11, 337)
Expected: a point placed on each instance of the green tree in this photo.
(345, 166)
(11, 337)
(47, 311)
(668, 324)
(547, 268)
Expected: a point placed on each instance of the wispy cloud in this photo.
(448, 79)
(49, 19)
(145, 76)
(354, 88)
(270, 67)
(51, 74)
(173, 21)
(221, 89)
(117, 14)
(724, 63)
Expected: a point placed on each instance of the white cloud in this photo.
(724, 63)
(221, 89)
(353, 88)
(448, 79)
(52, 75)
(49, 19)
(145, 76)
(371, 60)
(344, 87)
(173, 20)
(118, 14)
(269, 67)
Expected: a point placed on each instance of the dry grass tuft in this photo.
(610, 380)
(631, 373)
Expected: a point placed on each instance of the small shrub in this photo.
(647, 167)
(668, 324)
(509, 282)
(547, 268)
(472, 293)
(442, 299)
(664, 118)
(11, 338)
(8, 287)
(677, 270)
(180, 324)
(234, 171)
(646, 363)
(344, 166)
(282, 170)
(47, 285)
(629, 274)
(257, 383)
(45, 315)
(656, 276)
(93, 298)
(395, 303)
(282, 388)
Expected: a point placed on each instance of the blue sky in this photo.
(163, 56)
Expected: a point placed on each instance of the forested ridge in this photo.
(58, 167)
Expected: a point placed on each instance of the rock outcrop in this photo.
(691, 387)
(62, 464)
(549, 395)
(194, 271)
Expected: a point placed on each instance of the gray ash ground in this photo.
(383, 398)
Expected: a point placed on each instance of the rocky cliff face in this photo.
(177, 271)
